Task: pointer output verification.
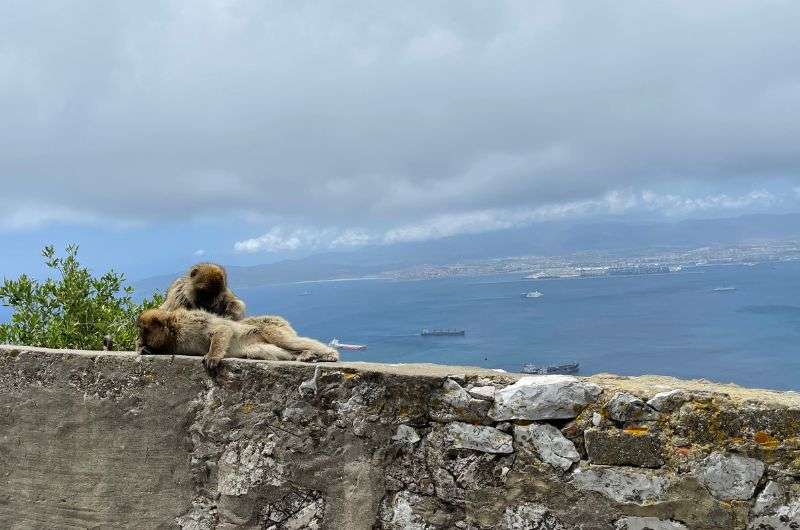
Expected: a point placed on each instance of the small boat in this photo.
(539, 369)
(723, 289)
(344, 346)
(442, 332)
(532, 294)
(305, 293)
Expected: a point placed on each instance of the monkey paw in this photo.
(315, 356)
(212, 364)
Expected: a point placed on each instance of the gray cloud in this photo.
(373, 116)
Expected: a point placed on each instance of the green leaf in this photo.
(72, 308)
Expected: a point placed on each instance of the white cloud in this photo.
(352, 238)
(199, 252)
(614, 203)
(677, 205)
(283, 239)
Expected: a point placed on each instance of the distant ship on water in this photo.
(538, 369)
(723, 289)
(442, 332)
(532, 294)
(344, 346)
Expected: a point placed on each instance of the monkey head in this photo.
(208, 281)
(156, 332)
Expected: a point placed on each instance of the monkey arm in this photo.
(221, 337)
(140, 347)
(234, 308)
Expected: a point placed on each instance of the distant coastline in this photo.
(577, 265)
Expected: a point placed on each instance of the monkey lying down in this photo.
(194, 332)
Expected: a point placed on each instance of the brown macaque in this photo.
(193, 332)
(205, 287)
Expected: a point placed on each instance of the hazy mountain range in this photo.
(547, 238)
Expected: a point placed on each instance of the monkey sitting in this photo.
(191, 332)
(205, 287)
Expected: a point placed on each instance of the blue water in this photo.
(671, 324)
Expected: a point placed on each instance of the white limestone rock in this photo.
(773, 495)
(485, 393)
(244, 465)
(621, 484)
(478, 437)
(309, 386)
(402, 512)
(530, 516)
(543, 397)
(730, 477)
(669, 401)
(454, 395)
(549, 443)
(624, 407)
(648, 523)
(406, 435)
(454, 403)
(783, 518)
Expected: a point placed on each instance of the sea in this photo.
(668, 324)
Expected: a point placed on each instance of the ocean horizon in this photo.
(667, 324)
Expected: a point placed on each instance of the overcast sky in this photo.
(247, 131)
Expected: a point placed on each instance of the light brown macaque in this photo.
(193, 332)
(204, 287)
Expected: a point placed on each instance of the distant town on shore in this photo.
(597, 264)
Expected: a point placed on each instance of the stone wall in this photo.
(110, 440)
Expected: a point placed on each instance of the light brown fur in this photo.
(192, 332)
(205, 286)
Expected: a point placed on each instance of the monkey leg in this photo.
(220, 340)
(267, 352)
(288, 340)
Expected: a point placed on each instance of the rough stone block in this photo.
(544, 397)
(479, 438)
(648, 523)
(619, 448)
(669, 401)
(730, 477)
(548, 442)
(624, 407)
(621, 484)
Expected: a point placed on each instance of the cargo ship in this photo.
(442, 332)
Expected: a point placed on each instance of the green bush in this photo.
(72, 310)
